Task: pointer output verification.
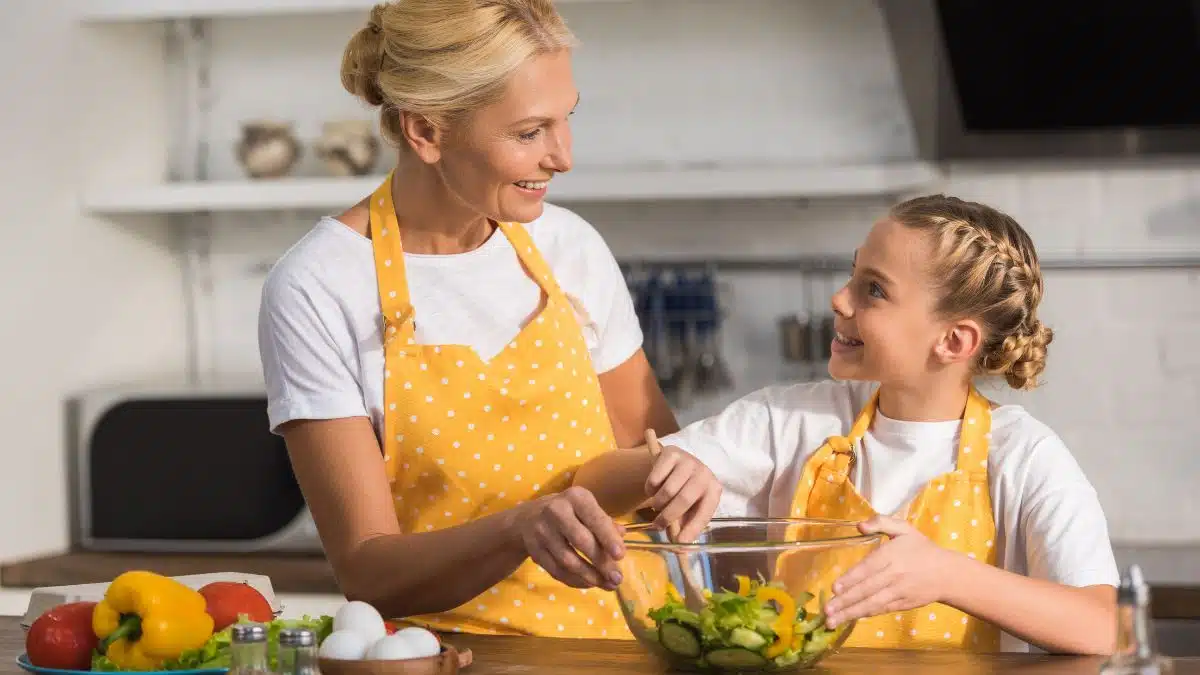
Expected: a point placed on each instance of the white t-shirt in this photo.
(1049, 523)
(320, 325)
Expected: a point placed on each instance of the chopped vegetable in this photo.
(758, 627)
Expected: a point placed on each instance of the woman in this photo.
(432, 364)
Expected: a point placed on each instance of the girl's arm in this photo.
(1064, 602)
(1054, 617)
(910, 571)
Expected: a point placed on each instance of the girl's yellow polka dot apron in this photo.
(465, 438)
(954, 510)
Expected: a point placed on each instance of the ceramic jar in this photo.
(348, 147)
(268, 148)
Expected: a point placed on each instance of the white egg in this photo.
(423, 642)
(361, 618)
(344, 645)
(391, 648)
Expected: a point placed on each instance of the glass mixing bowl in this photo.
(747, 596)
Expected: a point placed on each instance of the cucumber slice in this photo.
(812, 623)
(744, 637)
(679, 639)
(735, 658)
(821, 640)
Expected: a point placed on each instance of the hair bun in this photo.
(363, 59)
(1021, 358)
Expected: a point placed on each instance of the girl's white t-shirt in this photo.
(1049, 522)
(320, 324)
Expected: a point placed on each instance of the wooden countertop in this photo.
(289, 573)
(548, 656)
(1173, 571)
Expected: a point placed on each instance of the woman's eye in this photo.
(875, 290)
(530, 135)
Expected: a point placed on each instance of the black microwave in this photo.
(182, 468)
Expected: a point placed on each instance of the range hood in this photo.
(1010, 79)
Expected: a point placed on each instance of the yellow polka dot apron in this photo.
(464, 438)
(954, 510)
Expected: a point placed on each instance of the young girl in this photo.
(996, 539)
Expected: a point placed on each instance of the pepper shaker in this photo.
(298, 652)
(248, 649)
(1136, 652)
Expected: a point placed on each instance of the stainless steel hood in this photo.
(1025, 79)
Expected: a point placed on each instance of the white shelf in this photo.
(322, 194)
(112, 11)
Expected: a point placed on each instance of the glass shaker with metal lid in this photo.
(248, 649)
(298, 652)
(1136, 652)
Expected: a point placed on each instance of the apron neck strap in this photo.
(973, 438)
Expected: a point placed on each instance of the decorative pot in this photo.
(268, 148)
(348, 147)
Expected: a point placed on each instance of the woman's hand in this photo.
(573, 539)
(682, 490)
(906, 572)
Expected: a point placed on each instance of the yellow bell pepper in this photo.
(743, 585)
(783, 625)
(146, 619)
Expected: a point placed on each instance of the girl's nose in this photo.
(840, 302)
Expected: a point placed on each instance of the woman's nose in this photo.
(558, 159)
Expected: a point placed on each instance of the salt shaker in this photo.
(248, 649)
(1136, 652)
(298, 652)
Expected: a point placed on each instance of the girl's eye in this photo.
(875, 290)
(530, 135)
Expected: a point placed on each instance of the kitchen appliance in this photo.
(182, 468)
(1025, 79)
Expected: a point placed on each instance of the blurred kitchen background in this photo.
(731, 153)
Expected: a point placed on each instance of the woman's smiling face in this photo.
(501, 157)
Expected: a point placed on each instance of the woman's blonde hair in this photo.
(986, 268)
(443, 58)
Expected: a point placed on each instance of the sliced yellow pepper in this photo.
(783, 625)
(743, 585)
(673, 593)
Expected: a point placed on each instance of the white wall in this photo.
(84, 302)
(92, 301)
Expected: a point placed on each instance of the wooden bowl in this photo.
(449, 662)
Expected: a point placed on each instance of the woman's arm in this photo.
(675, 484)
(339, 467)
(635, 403)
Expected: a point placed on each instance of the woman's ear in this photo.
(423, 136)
(959, 344)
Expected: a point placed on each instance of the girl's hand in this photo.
(904, 573)
(573, 539)
(682, 490)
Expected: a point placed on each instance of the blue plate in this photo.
(23, 661)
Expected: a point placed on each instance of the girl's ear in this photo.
(960, 342)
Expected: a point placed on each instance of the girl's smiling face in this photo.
(885, 316)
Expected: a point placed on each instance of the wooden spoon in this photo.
(693, 595)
